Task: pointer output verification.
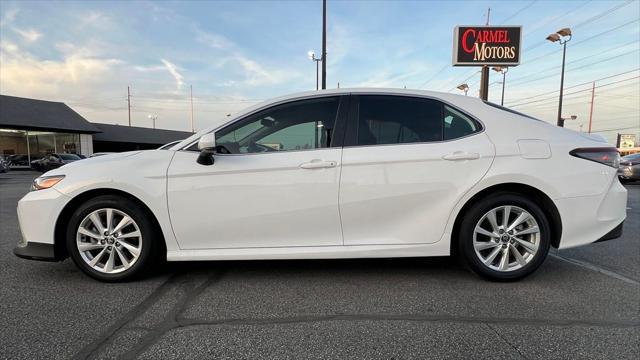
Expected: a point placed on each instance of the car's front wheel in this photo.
(111, 238)
(504, 237)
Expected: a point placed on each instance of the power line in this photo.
(591, 19)
(574, 86)
(578, 91)
(579, 67)
(580, 59)
(519, 11)
(580, 42)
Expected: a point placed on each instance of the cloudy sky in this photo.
(240, 52)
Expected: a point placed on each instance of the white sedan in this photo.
(358, 173)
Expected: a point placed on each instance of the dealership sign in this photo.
(486, 45)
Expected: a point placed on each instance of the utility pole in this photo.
(191, 90)
(564, 53)
(324, 44)
(593, 93)
(484, 77)
(129, 104)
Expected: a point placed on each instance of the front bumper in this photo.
(38, 212)
(35, 251)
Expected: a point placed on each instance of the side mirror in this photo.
(207, 147)
(207, 142)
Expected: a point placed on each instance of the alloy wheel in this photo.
(506, 238)
(109, 240)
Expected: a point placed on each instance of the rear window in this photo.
(510, 110)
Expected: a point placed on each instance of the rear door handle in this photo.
(318, 164)
(461, 155)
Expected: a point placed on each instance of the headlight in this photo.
(45, 182)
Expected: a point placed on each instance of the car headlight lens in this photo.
(45, 182)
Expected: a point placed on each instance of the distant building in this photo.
(30, 129)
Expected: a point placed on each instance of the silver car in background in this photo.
(629, 169)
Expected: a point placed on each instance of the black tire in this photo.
(473, 215)
(150, 235)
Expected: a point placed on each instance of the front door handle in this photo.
(461, 155)
(318, 164)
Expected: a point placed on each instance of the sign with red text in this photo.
(486, 45)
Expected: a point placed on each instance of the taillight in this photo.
(605, 155)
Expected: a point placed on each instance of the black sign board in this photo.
(486, 45)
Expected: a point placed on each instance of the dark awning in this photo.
(134, 134)
(31, 114)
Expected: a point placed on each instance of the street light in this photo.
(503, 71)
(463, 87)
(572, 117)
(559, 37)
(312, 56)
(153, 118)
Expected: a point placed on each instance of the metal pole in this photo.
(560, 120)
(484, 83)
(504, 77)
(484, 76)
(324, 44)
(192, 128)
(317, 73)
(129, 104)
(593, 92)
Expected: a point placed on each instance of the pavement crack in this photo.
(506, 341)
(171, 320)
(89, 350)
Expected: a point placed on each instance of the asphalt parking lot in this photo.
(582, 303)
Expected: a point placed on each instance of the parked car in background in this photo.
(345, 173)
(168, 145)
(4, 164)
(53, 161)
(629, 168)
(18, 160)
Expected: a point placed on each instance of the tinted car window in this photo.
(457, 124)
(299, 125)
(398, 120)
(69, 157)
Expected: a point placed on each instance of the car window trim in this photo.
(341, 98)
(351, 139)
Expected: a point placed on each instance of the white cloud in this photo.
(29, 35)
(22, 73)
(9, 17)
(173, 70)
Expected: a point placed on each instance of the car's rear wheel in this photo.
(111, 238)
(504, 237)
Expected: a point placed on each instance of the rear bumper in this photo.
(587, 219)
(613, 234)
(35, 251)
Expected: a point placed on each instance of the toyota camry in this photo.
(360, 173)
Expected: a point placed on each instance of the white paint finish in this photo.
(403, 194)
(255, 200)
(534, 149)
(272, 208)
(35, 212)
(312, 252)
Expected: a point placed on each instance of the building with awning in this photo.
(31, 129)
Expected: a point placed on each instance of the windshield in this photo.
(69, 157)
